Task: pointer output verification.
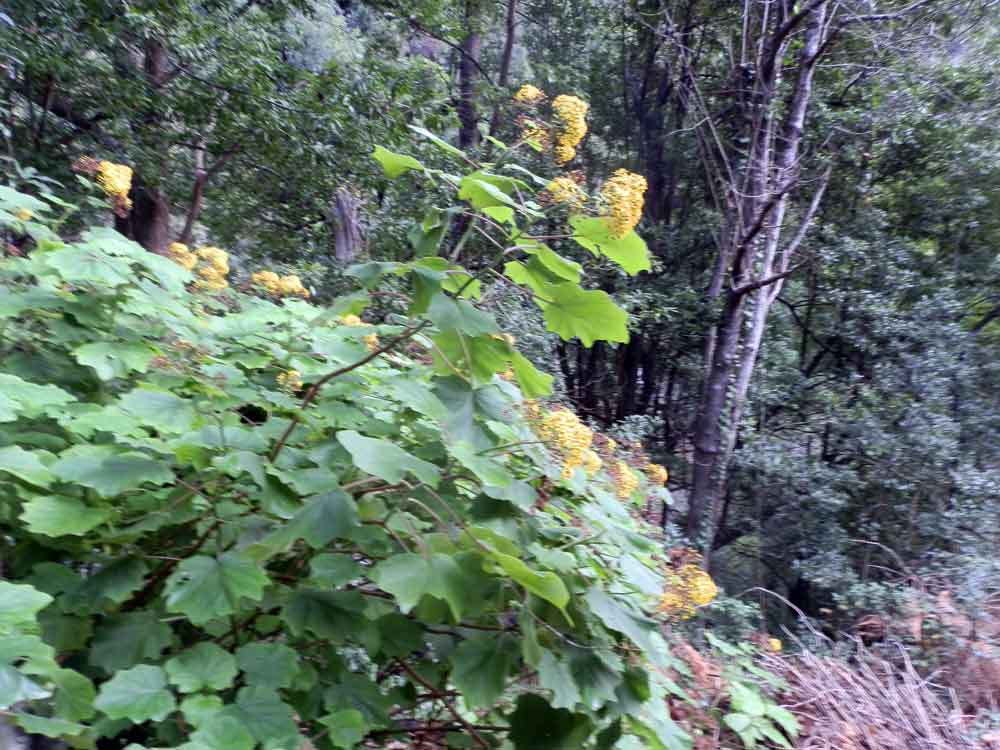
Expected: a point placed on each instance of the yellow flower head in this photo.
(627, 480)
(292, 286)
(529, 94)
(612, 445)
(591, 462)
(214, 257)
(657, 474)
(371, 341)
(565, 190)
(774, 644)
(535, 133)
(688, 588)
(507, 375)
(24, 214)
(114, 179)
(567, 436)
(267, 280)
(623, 194)
(572, 115)
(351, 320)
(290, 380)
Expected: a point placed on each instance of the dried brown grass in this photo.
(869, 704)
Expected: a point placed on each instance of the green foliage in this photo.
(189, 538)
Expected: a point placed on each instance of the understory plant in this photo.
(231, 518)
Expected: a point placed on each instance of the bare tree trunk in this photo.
(468, 77)
(344, 213)
(503, 77)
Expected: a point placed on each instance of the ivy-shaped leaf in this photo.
(203, 588)
(138, 694)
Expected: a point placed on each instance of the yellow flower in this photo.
(688, 588)
(351, 320)
(591, 462)
(612, 446)
(623, 194)
(565, 190)
(627, 480)
(178, 252)
(114, 179)
(269, 280)
(529, 94)
(507, 375)
(24, 214)
(215, 257)
(775, 644)
(657, 474)
(371, 341)
(572, 115)
(292, 286)
(290, 380)
(568, 436)
(535, 133)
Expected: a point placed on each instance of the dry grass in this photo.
(871, 704)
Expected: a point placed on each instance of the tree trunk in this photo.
(468, 77)
(344, 213)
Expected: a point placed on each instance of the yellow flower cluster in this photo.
(623, 194)
(24, 214)
(531, 131)
(371, 341)
(115, 179)
(657, 474)
(351, 320)
(688, 587)
(572, 115)
(628, 480)
(571, 437)
(565, 190)
(775, 644)
(280, 286)
(529, 94)
(212, 268)
(591, 462)
(179, 253)
(290, 380)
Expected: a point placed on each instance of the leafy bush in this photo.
(235, 520)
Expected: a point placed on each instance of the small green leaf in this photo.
(203, 588)
(123, 640)
(74, 695)
(25, 466)
(443, 145)
(138, 694)
(410, 576)
(386, 460)
(49, 727)
(160, 410)
(480, 667)
(114, 360)
(589, 314)
(198, 709)
(547, 585)
(594, 233)
(394, 164)
(109, 472)
(57, 516)
(270, 720)
(347, 727)
(335, 615)
(737, 722)
(535, 725)
(555, 675)
(269, 664)
(203, 666)
(221, 732)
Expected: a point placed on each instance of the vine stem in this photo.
(451, 708)
(314, 389)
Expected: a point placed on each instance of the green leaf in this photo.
(548, 586)
(480, 667)
(533, 382)
(785, 719)
(410, 576)
(221, 732)
(114, 581)
(74, 695)
(589, 314)
(450, 313)
(555, 675)
(203, 588)
(399, 635)
(123, 640)
(771, 732)
(48, 727)
(746, 700)
(114, 360)
(394, 164)
(204, 666)
(269, 664)
(558, 266)
(15, 687)
(61, 516)
(738, 722)
(19, 604)
(482, 194)
(161, 410)
(138, 694)
(594, 234)
(615, 616)
(87, 265)
(198, 709)
(29, 399)
(488, 470)
(386, 460)
(535, 725)
(330, 515)
(110, 473)
(346, 728)
(443, 145)
(25, 466)
(269, 719)
(327, 614)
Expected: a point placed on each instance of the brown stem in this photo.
(469, 729)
